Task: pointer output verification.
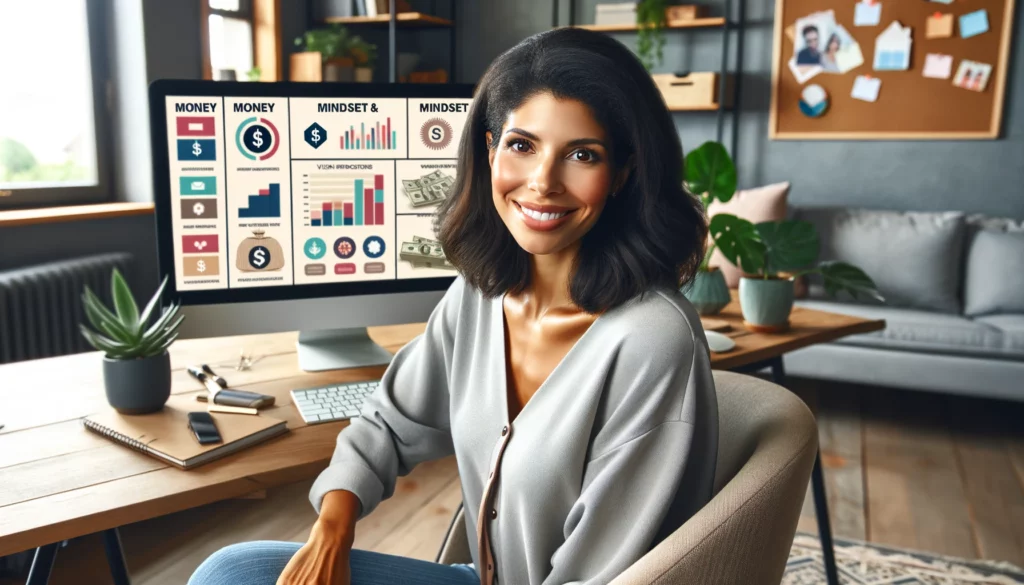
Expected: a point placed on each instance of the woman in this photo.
(563, 367)
(828, 58)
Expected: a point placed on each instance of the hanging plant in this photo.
(650, 20)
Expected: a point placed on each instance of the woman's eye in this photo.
(587, 155)
(515, 143)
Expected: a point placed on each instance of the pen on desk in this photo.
(232, 409)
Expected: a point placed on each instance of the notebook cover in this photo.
(165, 434)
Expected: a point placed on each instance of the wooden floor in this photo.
(914, 470)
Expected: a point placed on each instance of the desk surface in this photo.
(60, 481)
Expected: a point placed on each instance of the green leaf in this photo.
(739, 242)
(710, 172)
(127, 310)
(101, 321)
(161, 323)
(102, 343)
(98, 305)
(840, 276)
(789, 244)
(152, 304)
(160, 336)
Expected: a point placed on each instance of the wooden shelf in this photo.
(403, 19)
(72, 213)
(695, 23)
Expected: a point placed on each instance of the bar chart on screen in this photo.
(337, 199)
(265, 203)
(375, 135)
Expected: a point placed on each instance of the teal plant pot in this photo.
(766, 304)
(709, 293)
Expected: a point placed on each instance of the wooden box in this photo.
(695, 91)
(675, 14)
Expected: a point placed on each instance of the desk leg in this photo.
(115, 557)
(42, 563)
(818, 489)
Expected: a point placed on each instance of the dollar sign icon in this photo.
(257, 138)
(201, 266)
(259, 256)
(316, 135)
(197, 149)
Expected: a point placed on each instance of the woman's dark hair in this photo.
(652, 232)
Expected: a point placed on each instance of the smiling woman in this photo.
(569, 122)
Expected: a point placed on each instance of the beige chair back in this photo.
(767, 443)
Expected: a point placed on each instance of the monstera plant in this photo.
(772, 254)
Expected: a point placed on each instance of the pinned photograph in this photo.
(841, 52)
(866, 88)
(812, 32)
(938, 66)
(972, 75)
(867, 13)
(803, 73)
(892, 48)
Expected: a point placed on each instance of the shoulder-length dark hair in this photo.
(651, 233)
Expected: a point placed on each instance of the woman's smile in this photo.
(542, 218)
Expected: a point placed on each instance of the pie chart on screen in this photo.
(813, 101)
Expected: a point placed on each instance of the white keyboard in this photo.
(332, 403)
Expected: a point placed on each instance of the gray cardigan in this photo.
(614, 451)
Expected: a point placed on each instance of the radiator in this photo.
(41, 306)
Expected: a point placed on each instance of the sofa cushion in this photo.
(994, 273)
(913, 257)
(766, 203)
(1012, 327)
(926, 331)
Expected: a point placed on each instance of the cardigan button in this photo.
(489, 567)
(504, 431)
(494, 513)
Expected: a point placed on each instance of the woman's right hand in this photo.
(324, 559)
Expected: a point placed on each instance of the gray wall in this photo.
(975, 176)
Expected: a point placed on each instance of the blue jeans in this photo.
(261, 563)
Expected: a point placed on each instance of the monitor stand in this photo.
(335, 349)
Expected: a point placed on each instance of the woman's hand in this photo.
(318, 562)
(324, 559)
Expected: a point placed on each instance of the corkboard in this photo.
(909, 106)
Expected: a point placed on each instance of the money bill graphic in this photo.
(429, 189)
(424, 253)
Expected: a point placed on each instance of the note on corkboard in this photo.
(909, 106)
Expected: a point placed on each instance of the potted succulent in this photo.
(711, 175)
(136, 365)
(773, 254)
(331, 43)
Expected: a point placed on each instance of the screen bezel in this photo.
(158, 92)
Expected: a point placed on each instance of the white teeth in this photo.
(542, 216)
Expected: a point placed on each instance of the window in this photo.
(229, 25)
(53, 116)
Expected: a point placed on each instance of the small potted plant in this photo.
(332, 44)
(711, 175)
(136, 365)
(364, 55)
(773, 254)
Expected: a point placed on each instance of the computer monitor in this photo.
(304, 206)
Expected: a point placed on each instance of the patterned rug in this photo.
(861, 563)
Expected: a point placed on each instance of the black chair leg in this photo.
(818, 489)
(115, 557)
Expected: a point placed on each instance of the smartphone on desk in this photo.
(204, 428)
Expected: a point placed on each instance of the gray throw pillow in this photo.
(914, 258)
(995, 273)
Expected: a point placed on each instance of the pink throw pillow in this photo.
(766, 203)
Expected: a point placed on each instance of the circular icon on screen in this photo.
(259, 257)
(344, 247)
(315, 248)
(256, 138)
(373, 246)
(436, 133)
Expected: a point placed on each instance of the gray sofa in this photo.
(954, 288)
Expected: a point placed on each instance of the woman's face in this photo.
(550, 173)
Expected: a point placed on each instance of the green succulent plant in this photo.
(123, 333)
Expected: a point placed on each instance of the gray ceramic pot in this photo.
(709, 293)
(766, 304)
(138, 386)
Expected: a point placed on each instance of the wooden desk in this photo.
(60, 481)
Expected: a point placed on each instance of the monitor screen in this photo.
(305, 188)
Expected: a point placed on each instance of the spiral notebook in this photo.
(166, 436)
